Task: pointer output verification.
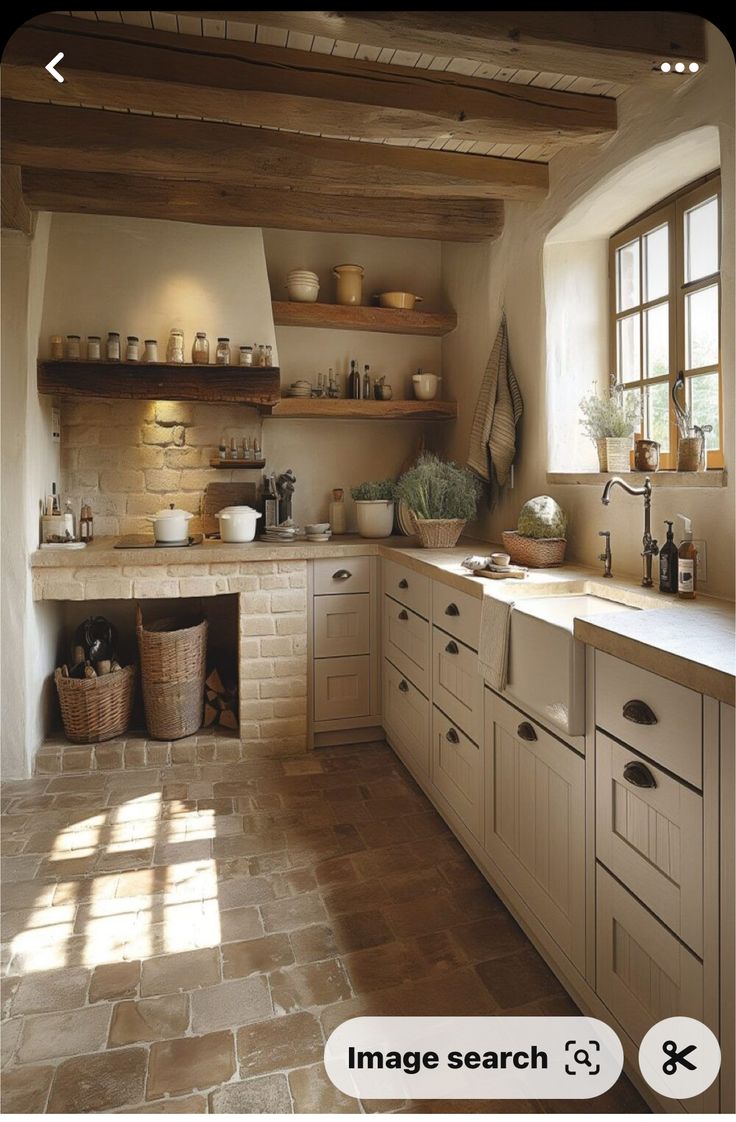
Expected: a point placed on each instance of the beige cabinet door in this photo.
(406, 642)
(457, 772)
(649, 833)
(535, 821)
(457, 685)
(644, 973)
(408, 587)
(341, 688)
(406, 720)
(342, 625)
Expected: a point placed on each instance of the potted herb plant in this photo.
(374, 503)
(610, 423)
(441, 497)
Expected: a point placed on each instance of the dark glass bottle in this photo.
(668, 562)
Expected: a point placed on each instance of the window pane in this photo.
(701, 328)
(657, 340)
(658, 414)
(701, 240)
(656, 264)
(629, 358)
(704, 406)
(627, 276)
(636, 396)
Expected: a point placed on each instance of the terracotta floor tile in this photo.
(416, 917)
(358, 897)
(335, 870)
(518, 978)
(151, 1018)
(99, 1083)
(402, 886)
(51, 1035)
(186, 971)
(315, 983)
(269, 1094)
(293, 913)
(192, 1063)
(356, 930)
(282, 1042)
(25, 1090)
(313, 1093)
(8, 990)
(256, 956)
(440, 950)
(230, 1004)
(190, 1104)
(292, 882)
(52, 990)
(384, 967)
(239, 923)
(9, 1038)
(493, 937)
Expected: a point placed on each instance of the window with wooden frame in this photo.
(665, 297)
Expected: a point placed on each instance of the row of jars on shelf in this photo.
(71, 348)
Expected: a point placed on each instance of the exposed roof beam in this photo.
(233, 205)
(15, 213)
(71, 139)
(617, 46)
(124, 67)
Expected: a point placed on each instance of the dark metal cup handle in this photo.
(403, 583)
(452, 736)
(342, 574)
(639, 712)
(403, 614)
(639, 775)
(452, 610)
(403, 686)
(526, 731)
(452, 647)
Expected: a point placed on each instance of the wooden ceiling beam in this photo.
(15, 212)
(232, 205)
(94, 140)
(615, 46)
(123, 67)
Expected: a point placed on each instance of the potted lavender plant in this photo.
(610, 423)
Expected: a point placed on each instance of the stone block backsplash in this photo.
(129, 459)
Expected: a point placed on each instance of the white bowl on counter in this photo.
(238, 523)
(171, 526)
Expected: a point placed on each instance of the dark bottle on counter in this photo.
(270, 502)
(366, 382)
(86, 525)
(668, 562)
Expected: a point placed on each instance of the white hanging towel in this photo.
(497, 412)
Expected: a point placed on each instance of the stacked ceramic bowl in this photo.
(302, 286)
(300, 389)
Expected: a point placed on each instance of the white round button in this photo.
(679, 1057)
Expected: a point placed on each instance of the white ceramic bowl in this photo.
(301, 274)
(425, 386)
(403, 301)
(317, 528)
(303, 292)
(501, 559)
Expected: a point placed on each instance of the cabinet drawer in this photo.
(665, 725)
(457, 685)
(644, 973)
(342, 625)
(341, 688)
(337, 575)
(457, 772)
(406, 642)
(535, 821)
(456, 612)
(406, 717)
(409, 588)
(651, 837)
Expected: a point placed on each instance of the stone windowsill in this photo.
(689, 479)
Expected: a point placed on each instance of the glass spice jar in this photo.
(113, 346)
(132, 351)
(150, 353)
(201, 348)
(246, 356)
(94, 348)
(57, 346)
(73, 348)
(261, 355)
(222, 354)
(269, 356)
(175, 346)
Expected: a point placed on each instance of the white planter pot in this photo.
(618, 450)
(375, 518)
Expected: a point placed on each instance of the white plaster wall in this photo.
(478, 280)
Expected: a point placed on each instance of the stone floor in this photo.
(182, 938)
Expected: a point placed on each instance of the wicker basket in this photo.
(536, 553)
(439, 533)
(173, 666)
(96, 709)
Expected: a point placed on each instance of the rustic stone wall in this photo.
(129, 459)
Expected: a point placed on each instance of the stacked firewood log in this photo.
(221, 702)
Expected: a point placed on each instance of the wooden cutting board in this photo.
(219, 495)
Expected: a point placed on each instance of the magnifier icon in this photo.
(581, 1056)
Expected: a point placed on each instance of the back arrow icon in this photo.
(51, 67)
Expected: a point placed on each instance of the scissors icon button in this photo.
(669, 1067)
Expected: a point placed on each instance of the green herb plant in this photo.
(434, 489)
(383, 490)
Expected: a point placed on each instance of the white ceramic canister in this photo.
(349, 288)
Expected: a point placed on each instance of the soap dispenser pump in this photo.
(668, 562)
(687, 562)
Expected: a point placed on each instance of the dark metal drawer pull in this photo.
(403, 614)
(403, 686)
(452, 736)
(452, 610)
(639, 775)
(452, 647)
(403, 583)
(639, 712)
(526, 731)
(342, 574)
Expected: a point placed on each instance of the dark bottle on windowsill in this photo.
(668, 562)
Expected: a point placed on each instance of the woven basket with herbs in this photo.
(442, 497)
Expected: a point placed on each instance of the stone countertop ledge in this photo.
(688, 642)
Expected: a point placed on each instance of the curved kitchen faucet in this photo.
(650, 548)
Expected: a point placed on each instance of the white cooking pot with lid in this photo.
(238, 523)
(171, 526)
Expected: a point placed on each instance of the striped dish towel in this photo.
(493, 648)
(497, 412)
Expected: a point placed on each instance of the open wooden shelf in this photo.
(359, 318)
(235, 465)
(350, 409)
(257, 386)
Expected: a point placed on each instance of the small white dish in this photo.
(501, 559)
